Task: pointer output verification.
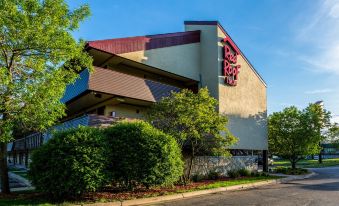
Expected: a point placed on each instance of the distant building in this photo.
(130, 74)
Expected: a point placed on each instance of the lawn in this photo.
(309, 163)
(33, 198)
(236, 182)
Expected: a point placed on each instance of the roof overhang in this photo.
(102, 58)
(90, 100)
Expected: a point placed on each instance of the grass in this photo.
(237, 182)
(309, 163)
(33, 198)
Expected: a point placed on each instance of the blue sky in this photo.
(294, 44)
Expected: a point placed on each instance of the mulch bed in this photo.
(143, 192)
(111, 194)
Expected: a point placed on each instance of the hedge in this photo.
(85, 159)
(71, 163)
(143, 155)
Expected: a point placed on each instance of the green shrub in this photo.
(244, 172)
(197, 178)
(142, 155)
(233, 173)
(213, 175)
(255, 174)
(281, 169)
(70, 164)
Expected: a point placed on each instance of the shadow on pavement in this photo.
(330, 186)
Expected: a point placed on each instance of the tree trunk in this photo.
(191, 164)
(4, 169)
(3, 145)
(320, 159)
(293, 164)
(190, 168)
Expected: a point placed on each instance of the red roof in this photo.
(139, 43)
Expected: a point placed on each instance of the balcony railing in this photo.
(28, 143)
(37, 139)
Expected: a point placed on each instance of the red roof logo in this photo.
(230, 68)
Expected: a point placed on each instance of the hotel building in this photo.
(132, 73)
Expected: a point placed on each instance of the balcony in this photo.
(35, 140)
(28, 143)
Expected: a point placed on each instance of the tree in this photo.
(293, 134)
(37, 60)
(332, 133)
(192, 119)
(317, 120)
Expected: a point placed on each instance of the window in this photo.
(101, 110)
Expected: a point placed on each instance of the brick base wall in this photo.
(202, 165)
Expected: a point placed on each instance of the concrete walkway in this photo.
(18, 183)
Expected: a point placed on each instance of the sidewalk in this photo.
(288, 178)
(18, 183)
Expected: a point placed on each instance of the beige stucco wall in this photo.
(208, 56)
(128, 111)
(182, 60)
(244, 104)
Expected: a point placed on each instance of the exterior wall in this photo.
(204, 164)
(208, 57)
(244, 104)
(182, 60)
(127, 111)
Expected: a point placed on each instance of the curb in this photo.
(295, 177)
(19, 189)
(202, 192)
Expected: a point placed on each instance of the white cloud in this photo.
(334, 12)
(318, 91)
(327, 60)
(319, 33)
(335, 119)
